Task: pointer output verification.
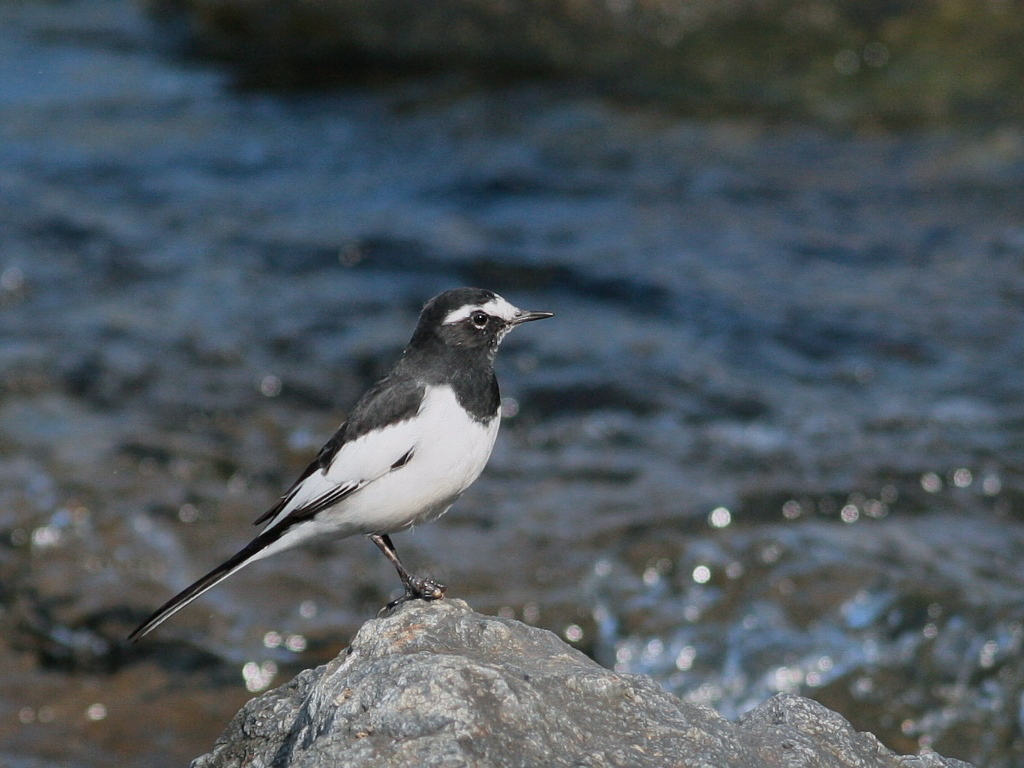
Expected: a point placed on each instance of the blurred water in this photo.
(771, 442)
(910, 627)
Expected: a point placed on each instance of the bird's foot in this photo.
(427, 589)
(417, 588)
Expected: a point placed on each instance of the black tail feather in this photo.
(190, 593)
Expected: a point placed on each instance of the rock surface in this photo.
(440, 685)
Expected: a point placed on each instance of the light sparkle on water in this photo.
(720, 517)
(258, 677)
(931, 482)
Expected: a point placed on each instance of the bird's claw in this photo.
(417, 589)
(428, 589)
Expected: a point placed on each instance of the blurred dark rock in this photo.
(833, 60)
(438, 684)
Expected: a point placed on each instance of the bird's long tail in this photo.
(252, 551)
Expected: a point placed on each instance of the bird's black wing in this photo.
(390, 401)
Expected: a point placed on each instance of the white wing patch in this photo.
(497, 307)
(379, 488)
(359, 462)
(451, 451)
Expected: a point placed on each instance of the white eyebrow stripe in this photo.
(497, 307)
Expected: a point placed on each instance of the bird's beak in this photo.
(523, 316)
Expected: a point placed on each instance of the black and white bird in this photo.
(410, 446)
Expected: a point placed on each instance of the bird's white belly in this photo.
(451, 450)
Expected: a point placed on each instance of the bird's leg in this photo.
(416, 587)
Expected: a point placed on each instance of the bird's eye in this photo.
(479, 319)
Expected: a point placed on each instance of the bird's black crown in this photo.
(464, 318)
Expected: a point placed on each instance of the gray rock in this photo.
(440, 685)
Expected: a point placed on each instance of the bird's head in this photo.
(468, 318)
